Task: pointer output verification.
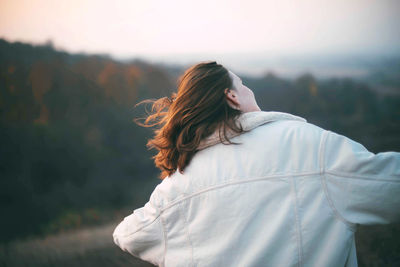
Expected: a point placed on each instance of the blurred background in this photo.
(73, 163)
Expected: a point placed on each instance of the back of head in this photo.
(197, 110)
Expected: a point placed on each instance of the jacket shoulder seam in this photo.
(351, 226)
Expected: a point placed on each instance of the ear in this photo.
(232, 98)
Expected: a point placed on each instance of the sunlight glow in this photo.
(128, 28)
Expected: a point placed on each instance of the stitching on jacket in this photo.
(140, 228)
(186, 231)
(173, 203)
(298, 226)
(350, 225)
(165, 240)
(234, 182)
(363, 177)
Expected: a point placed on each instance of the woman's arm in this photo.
(363, 187)
(141, 233)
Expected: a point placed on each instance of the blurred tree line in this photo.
(68, 141)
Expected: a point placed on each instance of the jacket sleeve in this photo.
(141, 233)
(362, 187)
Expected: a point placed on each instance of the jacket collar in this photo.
(248, 121)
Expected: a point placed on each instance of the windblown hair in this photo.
(198, 109)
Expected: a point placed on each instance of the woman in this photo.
(245, 187)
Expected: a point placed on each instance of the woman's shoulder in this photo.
(171, 189)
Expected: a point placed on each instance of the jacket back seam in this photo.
(173, 203)
(351, 226)
(165, 239)
(186, 232)
(272, 176)
(298, 224)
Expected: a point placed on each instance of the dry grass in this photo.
(87, 247)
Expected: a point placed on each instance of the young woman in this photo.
(245, 187)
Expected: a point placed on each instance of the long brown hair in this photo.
(197, 110)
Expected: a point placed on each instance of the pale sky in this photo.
(127, 28)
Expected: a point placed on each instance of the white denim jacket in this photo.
(291, 194)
